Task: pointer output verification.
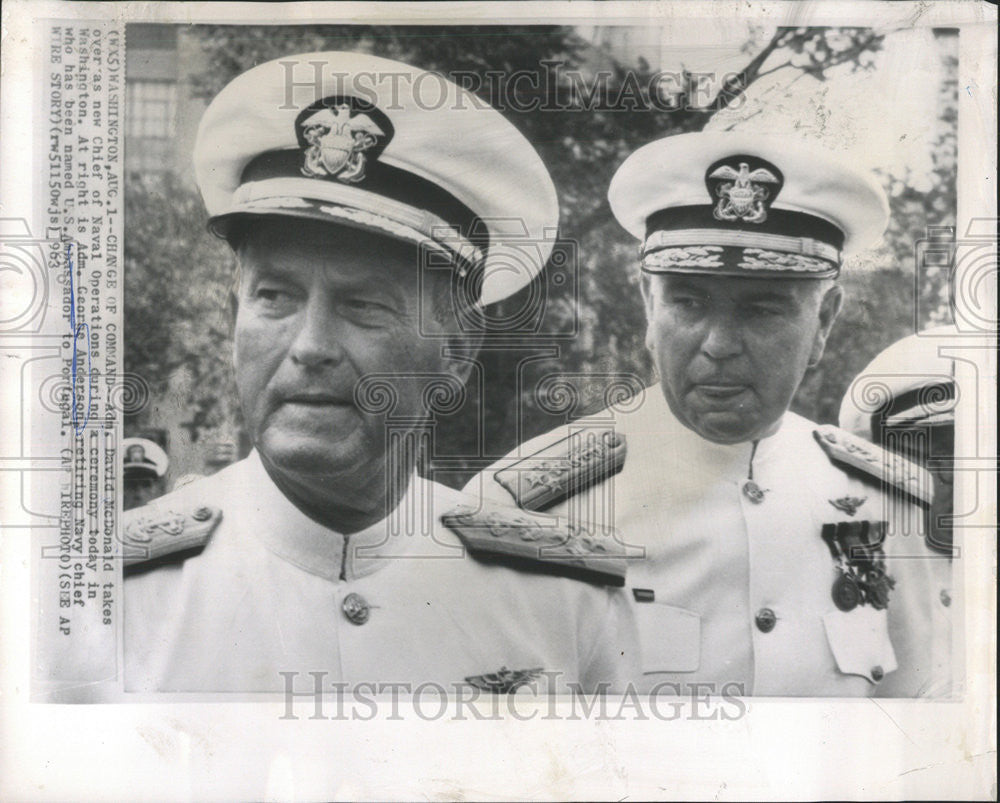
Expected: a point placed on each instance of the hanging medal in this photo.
(856, 547)
(846, 594)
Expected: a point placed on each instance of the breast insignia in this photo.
(872, 461)
(564, 468)
(541, 543)
(848, 504)
(151, 533)
(505, 681)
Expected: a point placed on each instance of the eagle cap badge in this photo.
(338, 137)
(745, 187)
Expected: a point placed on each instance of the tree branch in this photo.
(773, 69)
(737, 84)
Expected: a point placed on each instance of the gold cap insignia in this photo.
(743, 191)
(336, 143)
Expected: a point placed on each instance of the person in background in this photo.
(913, 388)
(143, 471)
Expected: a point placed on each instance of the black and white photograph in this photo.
(602, 393)
(571, 247)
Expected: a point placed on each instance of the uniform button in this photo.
(765, 620)
(945, 597)
(753, 492)
(877, 673)
(355, 608)
(202, 514)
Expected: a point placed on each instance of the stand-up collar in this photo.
(289, 533)
(687, 447)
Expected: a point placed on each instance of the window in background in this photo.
(150, 125)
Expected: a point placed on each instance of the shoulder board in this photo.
(564, 468)
(540, 543)
(873, 461)
(152, 533)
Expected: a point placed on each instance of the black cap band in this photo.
(779, 221)
(380, 179)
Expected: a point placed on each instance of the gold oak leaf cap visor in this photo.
(747, 205)
(375, 144)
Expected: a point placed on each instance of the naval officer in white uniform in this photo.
(365, 225)
(767, 552)
(904, 400)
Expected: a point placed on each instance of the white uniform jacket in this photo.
(731, 587)
(273, 591)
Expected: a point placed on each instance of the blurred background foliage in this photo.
(177, 309)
